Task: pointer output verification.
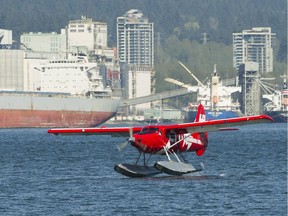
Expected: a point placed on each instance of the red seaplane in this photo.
(170, 140)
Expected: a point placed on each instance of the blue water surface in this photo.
(42, 174)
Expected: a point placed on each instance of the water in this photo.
(41, 174)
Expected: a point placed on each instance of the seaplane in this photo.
(169, 141)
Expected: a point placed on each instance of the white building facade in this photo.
(11, 70)
(135, 39)
(78, 36)
(135, 48)
(5, 37)
(44, 42)
(254, 46)
(139, 85)
(86, 33)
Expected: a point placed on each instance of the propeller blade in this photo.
(131, 132)
(121, 146)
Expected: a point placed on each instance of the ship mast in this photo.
(214, 89)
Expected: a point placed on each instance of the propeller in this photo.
(121, 146)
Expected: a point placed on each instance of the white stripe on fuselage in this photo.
(188, 140)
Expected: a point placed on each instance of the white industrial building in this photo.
(5, 38)
(139, 84)
(254, 46)
(11, 70)
(86, 33)
(44, 42)
(83, 35)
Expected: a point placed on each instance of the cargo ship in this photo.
(217, 100)
(277, 105)
(63, 93)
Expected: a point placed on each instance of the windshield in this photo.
(149, 130)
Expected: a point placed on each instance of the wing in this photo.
(221, 124)
(112, 131)
(206, 126)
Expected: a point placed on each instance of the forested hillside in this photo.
(179, 26)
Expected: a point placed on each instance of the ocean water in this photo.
(42, 174)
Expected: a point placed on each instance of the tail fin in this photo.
(200, 116)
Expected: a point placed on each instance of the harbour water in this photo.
(42, 174)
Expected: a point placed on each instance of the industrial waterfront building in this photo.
(86, 33)
(249, 80)
(82, 35)
(254, 46)
(5, 38)
(51, 42)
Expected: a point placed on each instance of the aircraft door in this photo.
(172, 137)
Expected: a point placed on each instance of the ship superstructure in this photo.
(277, 105)
(217, 100)
(67, 92)
(75, 75)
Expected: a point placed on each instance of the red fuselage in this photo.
(153, 139)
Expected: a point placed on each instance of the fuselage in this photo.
(153, 140)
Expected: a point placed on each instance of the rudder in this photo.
(200, 116)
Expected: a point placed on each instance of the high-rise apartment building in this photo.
(135, 49)
(135, 39)
(254, 46)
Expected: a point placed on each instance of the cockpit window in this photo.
(149, 130)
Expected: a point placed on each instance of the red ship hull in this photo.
(30, 110)
(35, 118)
